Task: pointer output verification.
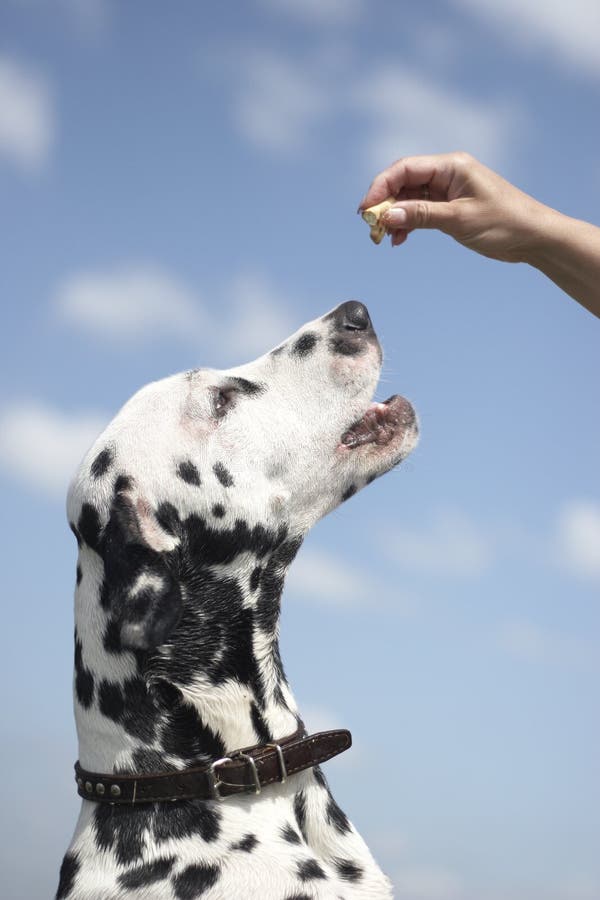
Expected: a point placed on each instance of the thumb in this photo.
(411, 214)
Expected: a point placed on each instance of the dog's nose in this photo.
(353, 316)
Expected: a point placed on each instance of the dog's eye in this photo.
(223, 400)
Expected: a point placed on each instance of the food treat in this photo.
(373, 216)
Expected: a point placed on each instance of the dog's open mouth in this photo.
(381, 424)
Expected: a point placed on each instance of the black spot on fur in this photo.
(309, 869)
(290, 835)
(141, 713)
(218, 510)
(194, 881)
(184, 733)
(347, 346)
(278, 666)
(111, 700)
(248, 387)
(84, 680)
(123, 483)
(68, 871)
(260, 725)
(278, 695)
(103, 462)
(255, 578)
(286, 553)
(105, 595)
(185, 819)
(168, 518)
(305, 344)
(247, 843)
(145, 760)
(89, 526)
(298, 897)
(112, 637)
(300, 812)
(78, 574)
(223, 474)
(188, 472)
(348, 870)
(272, 578)
(349, 492)
(125, 830)
(131, 705)
(336, 817)
(120, 829)
(319, 777)
(142, 876)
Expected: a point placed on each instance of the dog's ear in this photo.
(140, 587)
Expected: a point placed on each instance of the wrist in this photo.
(548, 231)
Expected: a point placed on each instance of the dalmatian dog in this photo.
(188, 511)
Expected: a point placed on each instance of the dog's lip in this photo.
(381, 423)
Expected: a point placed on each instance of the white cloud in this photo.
(42, 446)
(281, 104)
(578, 539)
(568, 30)
(319, 12)
(321, 576)
(537, 644)
(258, 317)
(278, 102)
(130, 303)
(452, 546)
(408, 113)
(135, 303)
(27, 116)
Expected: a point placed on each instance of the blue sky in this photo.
(178, 188)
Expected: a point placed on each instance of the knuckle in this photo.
(422, 214)
(463, 160)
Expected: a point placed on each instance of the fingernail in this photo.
(395, 217)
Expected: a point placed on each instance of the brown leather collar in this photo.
(243, 771)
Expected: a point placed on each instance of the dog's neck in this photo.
(216, 685)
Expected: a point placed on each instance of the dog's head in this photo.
(252, 456)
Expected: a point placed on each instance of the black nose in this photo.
(354, 316)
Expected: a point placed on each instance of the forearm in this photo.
(568, 252)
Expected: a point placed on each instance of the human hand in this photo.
(458, 195)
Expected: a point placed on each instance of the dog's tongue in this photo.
(380, 422)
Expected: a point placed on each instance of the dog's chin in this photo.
(387, 430)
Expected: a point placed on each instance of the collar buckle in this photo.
(213, 779)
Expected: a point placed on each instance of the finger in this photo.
(398, 237)
(412, 172)
(422, 214)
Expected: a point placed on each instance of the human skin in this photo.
(486, 213)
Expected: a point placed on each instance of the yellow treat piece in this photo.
(377, 233)
(373, 216)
